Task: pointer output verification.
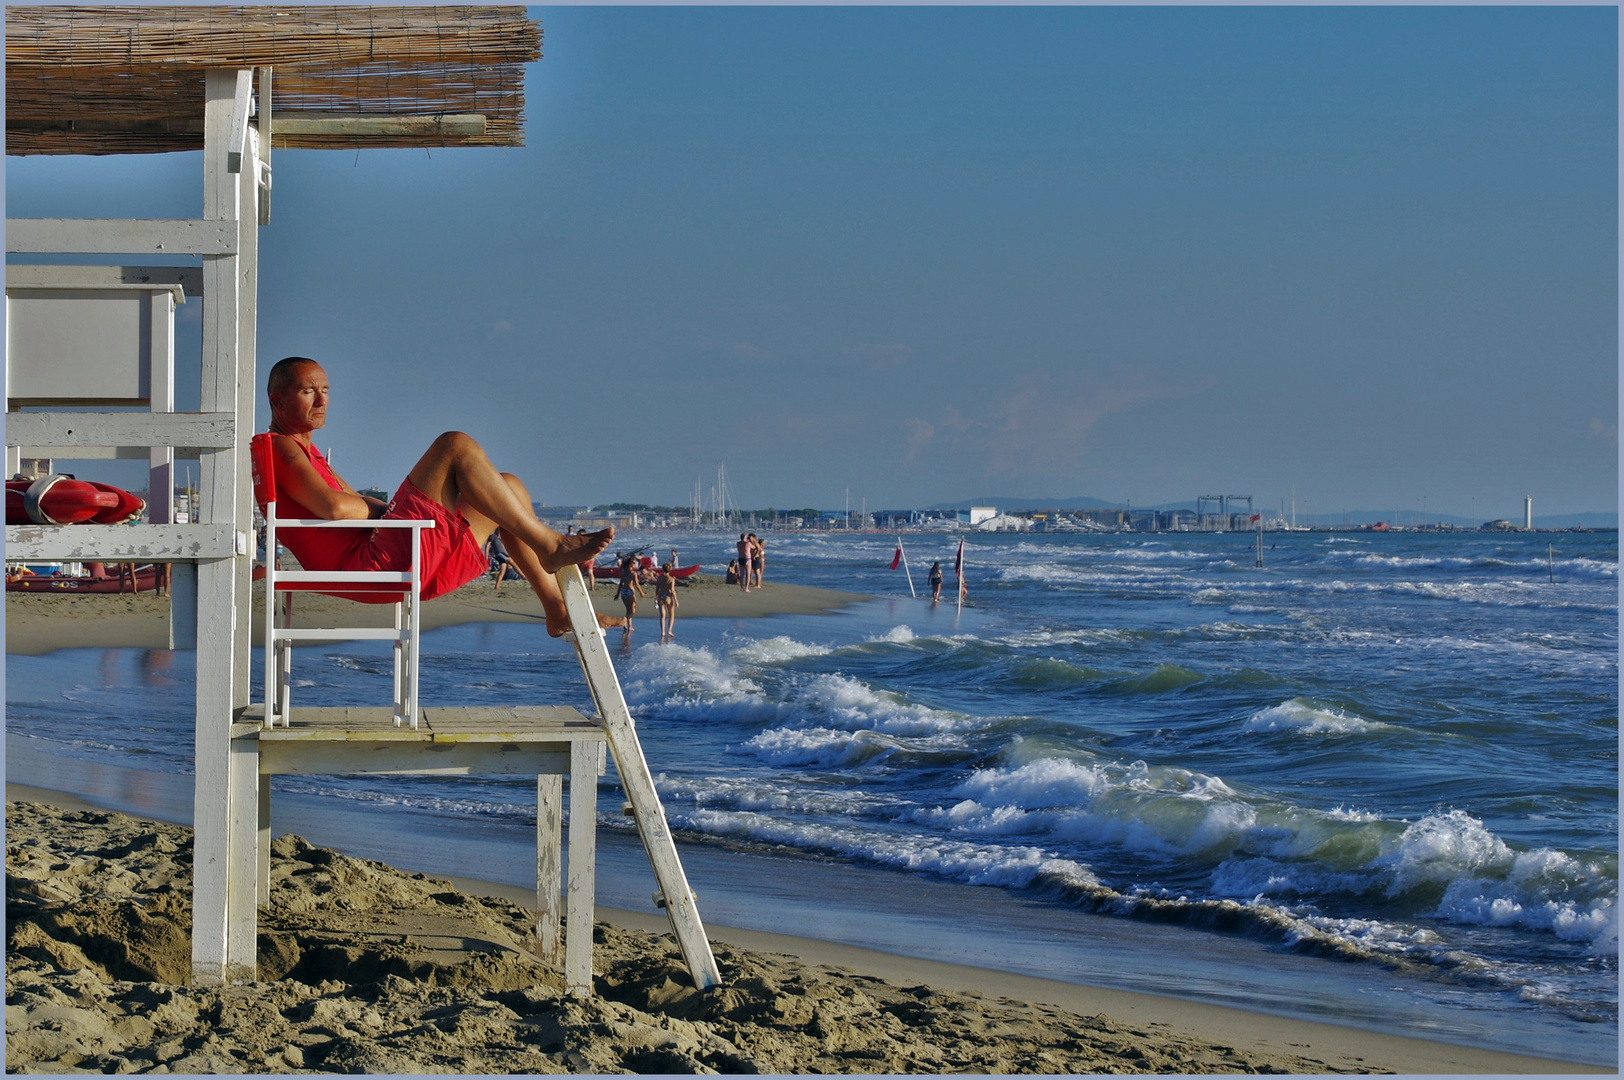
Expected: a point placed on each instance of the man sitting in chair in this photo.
(454, 484)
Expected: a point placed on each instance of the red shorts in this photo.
(451, 556)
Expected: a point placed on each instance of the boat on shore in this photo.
(99, 579)
(612, 570)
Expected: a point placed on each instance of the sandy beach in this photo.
(39, 623)
(365, 967)
(368, 968)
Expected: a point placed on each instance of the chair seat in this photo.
(328, 585)
(400, 588)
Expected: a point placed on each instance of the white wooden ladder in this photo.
(616, 719)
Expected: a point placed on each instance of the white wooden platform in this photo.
(548, 742)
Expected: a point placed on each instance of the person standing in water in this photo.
(629, 590)
(935, 580)
(665, 598)
(746, 553)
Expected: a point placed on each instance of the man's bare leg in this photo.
(544, 584)
(456, 474)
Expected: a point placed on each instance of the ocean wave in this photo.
(676, 682)
(1087, 636)
(1485, 881)
(1394, 944)
(1446, 866)
(831, 748)
(1299, 717)
(1578, 567)
(766, 794)
(776, 650)
(681, 682)
(1507, 593)
(416, 793)
(1165, 678)
(963, 861)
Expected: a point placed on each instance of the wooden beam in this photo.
(265, 145)
(371, 757)
(237, 138)
(637, 781)
(90, 429)
(121, 236)
(327, 123)
(189, 278)
(122, 543)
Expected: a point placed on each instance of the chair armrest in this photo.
(354, 523)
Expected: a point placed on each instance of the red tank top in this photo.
(317, 549)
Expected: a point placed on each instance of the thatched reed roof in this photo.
(129, 80)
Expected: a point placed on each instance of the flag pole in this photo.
(905, 569)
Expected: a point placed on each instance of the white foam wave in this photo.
(1300, 718)
(1567, 568)
(1508, 593)
(826, 748)
(776, 650)
(970, 863)
(1262, 848)
(1050, 638)
(769, 794)
(1486, 882)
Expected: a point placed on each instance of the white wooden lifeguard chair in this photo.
(83, 80)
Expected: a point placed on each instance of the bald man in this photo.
(454, 484)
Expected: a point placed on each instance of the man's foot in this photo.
(577, 548)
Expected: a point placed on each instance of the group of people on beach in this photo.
(629, 588)
(745, 570)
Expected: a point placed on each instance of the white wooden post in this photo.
(549, 865)
(243, 845)
(247, 329)
(161, 459)
(583, 859)
(217, 620)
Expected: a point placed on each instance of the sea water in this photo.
(1374, 780)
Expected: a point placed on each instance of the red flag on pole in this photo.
(1254, 517)
(896, 560)
(958, 561)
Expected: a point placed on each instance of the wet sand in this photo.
(38, 623)
(369, 968)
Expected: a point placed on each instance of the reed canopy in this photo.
(129, 79)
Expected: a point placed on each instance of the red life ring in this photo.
(63, 500)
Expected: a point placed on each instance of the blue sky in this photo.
(929, 254)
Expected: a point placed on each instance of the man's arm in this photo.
(299, 479)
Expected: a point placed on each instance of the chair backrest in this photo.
(262, 462)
